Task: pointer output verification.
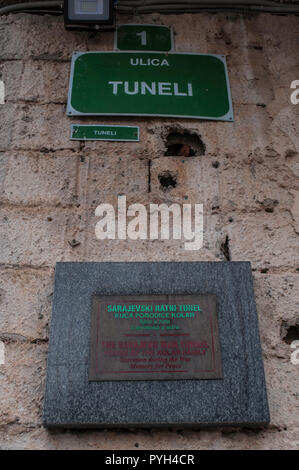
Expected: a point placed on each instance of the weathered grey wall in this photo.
(247, 180)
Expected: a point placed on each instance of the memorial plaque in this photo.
(154, 337)
(100, 375)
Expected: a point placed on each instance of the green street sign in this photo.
(104, 132)
(143, 37)
(149, 84)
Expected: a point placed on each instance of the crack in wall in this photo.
(149, 179)
(225, 249)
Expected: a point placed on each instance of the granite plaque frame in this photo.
(154, 337)
(72, 400)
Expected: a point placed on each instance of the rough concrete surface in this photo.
(245, 173)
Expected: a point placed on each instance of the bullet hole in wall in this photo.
(264, 270)
(167, 180)
(290, 154)
(268, 204)
(289, 332)
(184, 144)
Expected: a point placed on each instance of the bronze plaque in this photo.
(154, 337)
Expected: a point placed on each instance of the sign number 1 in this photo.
(143, 37)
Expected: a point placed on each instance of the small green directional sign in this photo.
(143, 37)
(104, 132)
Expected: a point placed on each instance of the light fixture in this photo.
(89, 14)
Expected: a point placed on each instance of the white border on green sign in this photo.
(105, 125)
(70, 111)
(172, 48)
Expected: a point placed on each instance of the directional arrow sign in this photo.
(150, 84)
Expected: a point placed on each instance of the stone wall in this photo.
(245, 173)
